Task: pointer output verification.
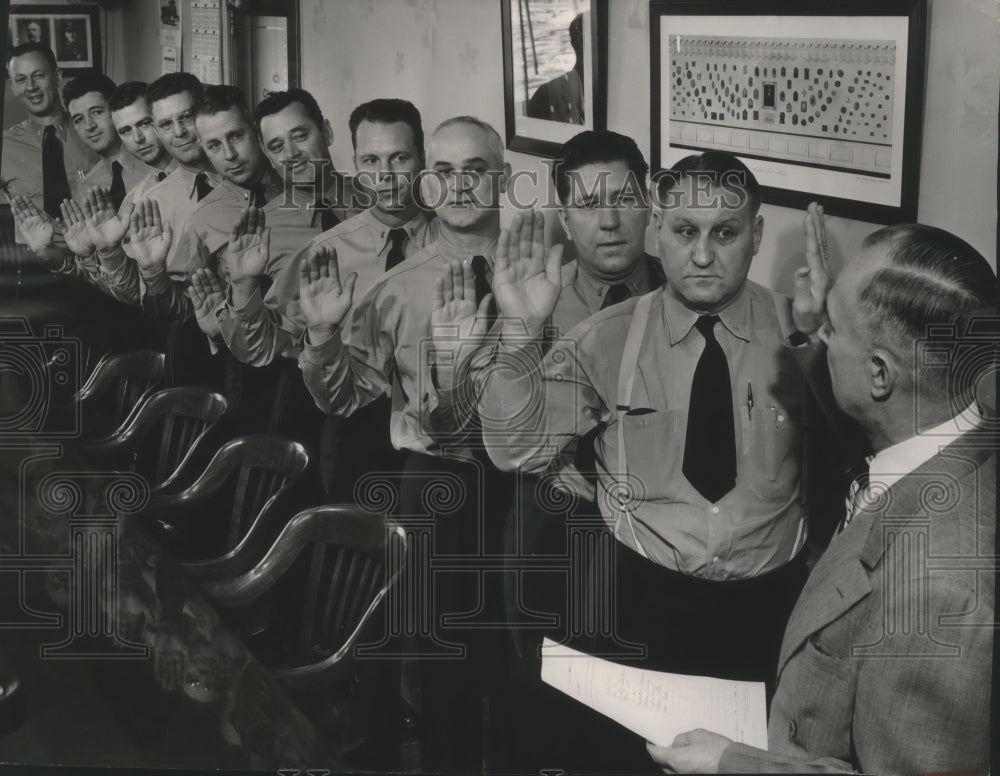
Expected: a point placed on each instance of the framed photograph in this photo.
(72, 32)
(820, 102)
(555, 71)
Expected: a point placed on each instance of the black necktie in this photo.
(55, 187)
(160, 176)
(617, 293)
(201, 185)
(258, 198)
(479, 267)
(117, 184)
(397, 237)
(327, 218)
(710, 444)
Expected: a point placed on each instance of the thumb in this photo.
(484, 306)
(265, 240)
(349, 284)
(803, 281)
(553, 265)
(168, 232)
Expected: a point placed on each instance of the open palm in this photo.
(36, 226)
(526, 280)
(812, 281)
(75, 228)
(249, 246)
(456, 319)
(149, 237)
(105, 226)
(206, 292)
(324, 300)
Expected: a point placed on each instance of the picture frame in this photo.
(555, 71)
(73, 32)
(821, 102)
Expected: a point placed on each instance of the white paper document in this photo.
(657, 705)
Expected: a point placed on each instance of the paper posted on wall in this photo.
(658, 705)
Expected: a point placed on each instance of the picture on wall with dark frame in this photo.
(818, 104)
(71, 31)
(554, 71)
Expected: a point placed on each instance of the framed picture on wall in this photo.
(820, 102)
(72, 32)
(555, 71)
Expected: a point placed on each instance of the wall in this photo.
(445, 56)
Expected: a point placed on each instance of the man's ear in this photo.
(504, 177)
(564, 220)
(883, 374)
(758, 232)
(327, 133)
(657, 218)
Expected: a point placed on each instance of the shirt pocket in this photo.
(771, 451)
(654, 447)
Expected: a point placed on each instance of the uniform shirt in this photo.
(272, 324)
(385, 346)
(21, 164)
(134, 172)
(756, 527)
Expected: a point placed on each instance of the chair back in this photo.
(117, 387)
(241, 484)
(327, 573)
(162, 433)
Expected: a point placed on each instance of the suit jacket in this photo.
(886, 661)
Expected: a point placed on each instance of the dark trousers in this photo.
(661, 620)
(454, 513)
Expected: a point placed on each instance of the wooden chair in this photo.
(183, 417)
(327, 573)
(224, 521)
(118, 385)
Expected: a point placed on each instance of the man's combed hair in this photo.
(219, 99)
(592, 147)
(719, 168)
(175, 83)
(387, 111)
(932, 277)
(126, 94)
(33, 47)
(494, 141)
(84, 84)
(276, 102)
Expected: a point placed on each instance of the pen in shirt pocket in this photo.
(749, 402)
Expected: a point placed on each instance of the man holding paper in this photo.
(886, 660)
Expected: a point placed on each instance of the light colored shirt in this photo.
(134, 172)
(386, 347)
(759, 525)
(21, 163)
(272, 324)
(893, 463)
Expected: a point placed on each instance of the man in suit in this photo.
(886, 660)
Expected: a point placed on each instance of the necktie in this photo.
(160, 176)
(55, 187)
(479, 267)
(710, 444)
(617, 293)
(327, 218)
(257, 196)
(856, 493)
(117, 184)
(201, 185)
(396, 255)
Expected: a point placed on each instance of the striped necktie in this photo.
(856, 494)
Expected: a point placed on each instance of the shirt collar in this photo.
(735, 317)
(593, 290)
(62, 125)
(485, 246)
(896, 461)
(380, 232)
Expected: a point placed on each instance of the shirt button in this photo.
(715, 510)
(715, 559)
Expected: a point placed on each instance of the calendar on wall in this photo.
(818, 105)
(206, 41)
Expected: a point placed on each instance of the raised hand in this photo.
(324, 300)
(813, 280)
(249, 247)
(149, 237)
(455, 318)
(35, 225)
(75, 228)
(206, 291)
(104, 225)
(526, 280)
